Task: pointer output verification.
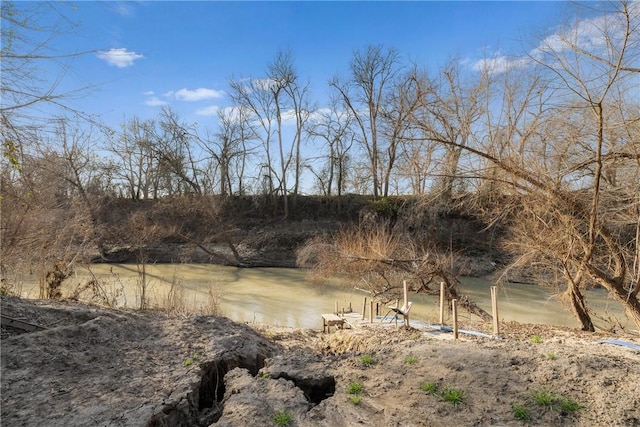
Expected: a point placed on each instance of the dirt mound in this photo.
(93, 366)
(104, 367)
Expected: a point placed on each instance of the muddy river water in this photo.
(286, 297)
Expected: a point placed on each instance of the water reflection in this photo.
(284, 296)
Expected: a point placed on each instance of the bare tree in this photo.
(271, 101)
(254, 97)
(402, 102)
(230, 147)
(48, 215)
(373, 70)
(173, 147)
(450, 108)
(137, 170)
(27, 40)
(553, 158)
(333, 128)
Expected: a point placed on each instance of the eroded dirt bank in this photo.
(94, 366)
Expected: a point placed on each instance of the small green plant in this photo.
(521, 412)
(547, 400)
(551, 356)
(189, 360)
(282, 418)
(544, 398)
(355, 388)
(429, 387)
(356, 399)
(568, 405)
(367, 360)
(410, 360)
(536, 339)
(453, 395)
(264, 375)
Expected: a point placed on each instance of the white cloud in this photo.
(199, 94)
(500, 63)
(120, 58)
(154, 101)
(321, 114)
(148, 93)
(592, 35)
(123, 9)
(208, 111)
(289, 117)
(264, 84)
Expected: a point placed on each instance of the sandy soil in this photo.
(100, 367)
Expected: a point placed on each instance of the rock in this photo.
(253, 400)
(306, 371)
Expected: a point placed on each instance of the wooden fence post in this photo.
(454, 306)
(371, 312)
(494, 308)
(405, 291)
(364, 308)
(441, 303)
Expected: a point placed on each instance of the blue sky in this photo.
(181, 54)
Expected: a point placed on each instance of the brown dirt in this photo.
(95, 366)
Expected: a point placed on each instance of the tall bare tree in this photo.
(137, 164)
(563, 135)
(403, 100)
(373, 70)
(451, 106)
(254, 97)
(333, 126)
(27, 90)
(173, 146)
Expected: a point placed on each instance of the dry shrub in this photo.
(105, 292)
(378, 258)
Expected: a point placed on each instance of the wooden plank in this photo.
(7, 321)
(332, 318)
(329, 320)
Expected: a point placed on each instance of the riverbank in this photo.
(126, 368)
(253, 232)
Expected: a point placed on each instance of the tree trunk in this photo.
(579, 307)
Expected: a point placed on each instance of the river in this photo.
(286, 296)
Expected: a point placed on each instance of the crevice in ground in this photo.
(315, 389)
(203, 406)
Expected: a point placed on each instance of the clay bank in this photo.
(94, 366)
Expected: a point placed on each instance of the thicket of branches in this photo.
(378, 257)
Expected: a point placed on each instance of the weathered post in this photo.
(364, 308)
(454, 306)
(442, 284)
(371, 312)
(337, 311)
(494, 309)
(405, 290)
